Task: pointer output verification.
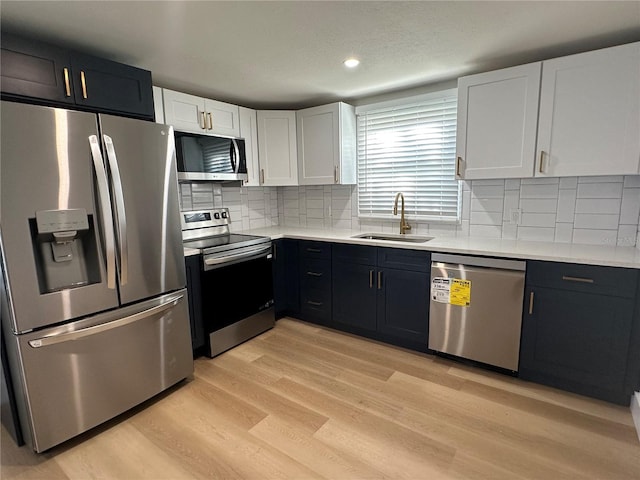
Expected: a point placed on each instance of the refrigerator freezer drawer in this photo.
(80, 375)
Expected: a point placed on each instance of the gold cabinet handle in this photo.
(370, 278)
(541, 160)
(83, 81)
(203, 117)
(379, 280)
(335, 174)
(531, 303)
(210, 117)
(67, 83)
(261, 176)
(577, 279)
(458, 161)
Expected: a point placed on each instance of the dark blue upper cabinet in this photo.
(41, 73)
(104, 85)
(35, 70)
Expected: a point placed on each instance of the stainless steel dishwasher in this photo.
(476, 308)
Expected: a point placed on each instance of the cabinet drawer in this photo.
(618, 282)
(310, 249)
(315, 273)
(315, 305)
(415, 260)
(360, 254)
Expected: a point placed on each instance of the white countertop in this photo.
(554, 252)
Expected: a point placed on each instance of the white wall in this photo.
(588, 210)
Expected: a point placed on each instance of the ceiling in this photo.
(289, 54)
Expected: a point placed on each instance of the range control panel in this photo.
(205, 218)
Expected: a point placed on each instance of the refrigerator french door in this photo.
(94, 310)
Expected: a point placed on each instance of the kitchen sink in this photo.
(393, 237)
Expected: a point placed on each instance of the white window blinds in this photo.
(409, 148)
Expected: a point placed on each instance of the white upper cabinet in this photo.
(497, 118)
(249, 131)
(189, 113)
(326, 137)
(277, 147)
(585, 120)
(158, 106)
(222, 118)
(589, 121)
(185, 112)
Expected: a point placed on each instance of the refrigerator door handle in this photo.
(121, 218)
(105, 207)
(103, 327)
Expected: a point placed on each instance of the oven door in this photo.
(237, 302)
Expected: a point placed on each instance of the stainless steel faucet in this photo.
(404, 226)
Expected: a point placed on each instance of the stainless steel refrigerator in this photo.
(94, 307)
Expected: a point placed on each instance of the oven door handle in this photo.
(262, 251)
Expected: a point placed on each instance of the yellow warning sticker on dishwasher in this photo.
(454, 291)
(460, 293)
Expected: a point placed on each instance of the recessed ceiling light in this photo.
(351, 62)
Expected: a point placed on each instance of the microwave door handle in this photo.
(235, 157)
(105, 207)
(121, 218)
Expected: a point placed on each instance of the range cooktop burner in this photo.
(208, 231)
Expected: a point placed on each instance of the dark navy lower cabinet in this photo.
(354, 295)
(580, 331)
(315, 281)
(193, 265)
(580, 328)
(403, 305)
(372, 299)
(286, 288)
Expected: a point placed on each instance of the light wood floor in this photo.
(301, 401)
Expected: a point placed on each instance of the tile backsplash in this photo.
(253, 207)
(585, 210)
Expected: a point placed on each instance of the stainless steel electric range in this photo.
(235, 277)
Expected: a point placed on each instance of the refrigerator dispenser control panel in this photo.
(50, 221)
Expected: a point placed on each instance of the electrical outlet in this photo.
(515, 216)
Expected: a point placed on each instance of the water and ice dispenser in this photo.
(65, 247)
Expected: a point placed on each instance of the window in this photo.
(409, 147)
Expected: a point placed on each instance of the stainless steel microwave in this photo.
(205, 157)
